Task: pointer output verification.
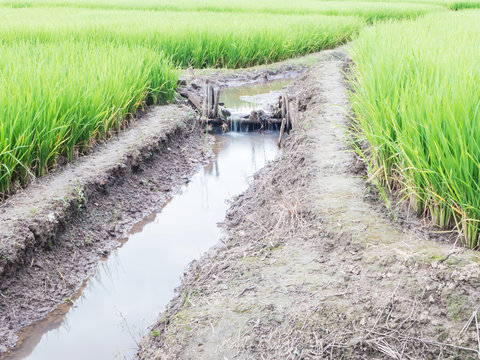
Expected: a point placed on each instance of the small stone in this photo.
(51, 217)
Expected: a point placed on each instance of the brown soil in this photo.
(54, 233)
(312, 268)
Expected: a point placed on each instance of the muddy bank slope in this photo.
(310, 268)
(53, 233)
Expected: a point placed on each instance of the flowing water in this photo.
(242, 100)
(115, 306)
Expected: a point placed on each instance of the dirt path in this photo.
(310, 268)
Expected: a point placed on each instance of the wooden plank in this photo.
(192, 97)
(287, 112)
(297, 113)
(216, 97)
(205, 103)
(282, 130)
(209, 101)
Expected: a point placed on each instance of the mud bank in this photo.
(53, 233)
(312, 268)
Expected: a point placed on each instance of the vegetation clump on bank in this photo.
(58, 98)
(416, 99)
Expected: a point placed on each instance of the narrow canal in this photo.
(115, 306)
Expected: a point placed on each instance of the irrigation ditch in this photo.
(63, 239)
(307, 263)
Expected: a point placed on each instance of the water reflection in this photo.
(245, 99)
(130, 288)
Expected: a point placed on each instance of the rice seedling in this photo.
(416, 97)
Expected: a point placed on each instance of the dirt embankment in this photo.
(311, 268)
(53, 233)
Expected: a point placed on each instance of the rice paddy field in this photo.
(71, 72)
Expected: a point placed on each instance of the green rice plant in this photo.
(190, 38)
(370, 11)
(69, 76)
(416, 99)
(462, 5)
(447, 4)
(66, 95)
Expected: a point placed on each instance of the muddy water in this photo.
(115, 306)
(245, 99)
